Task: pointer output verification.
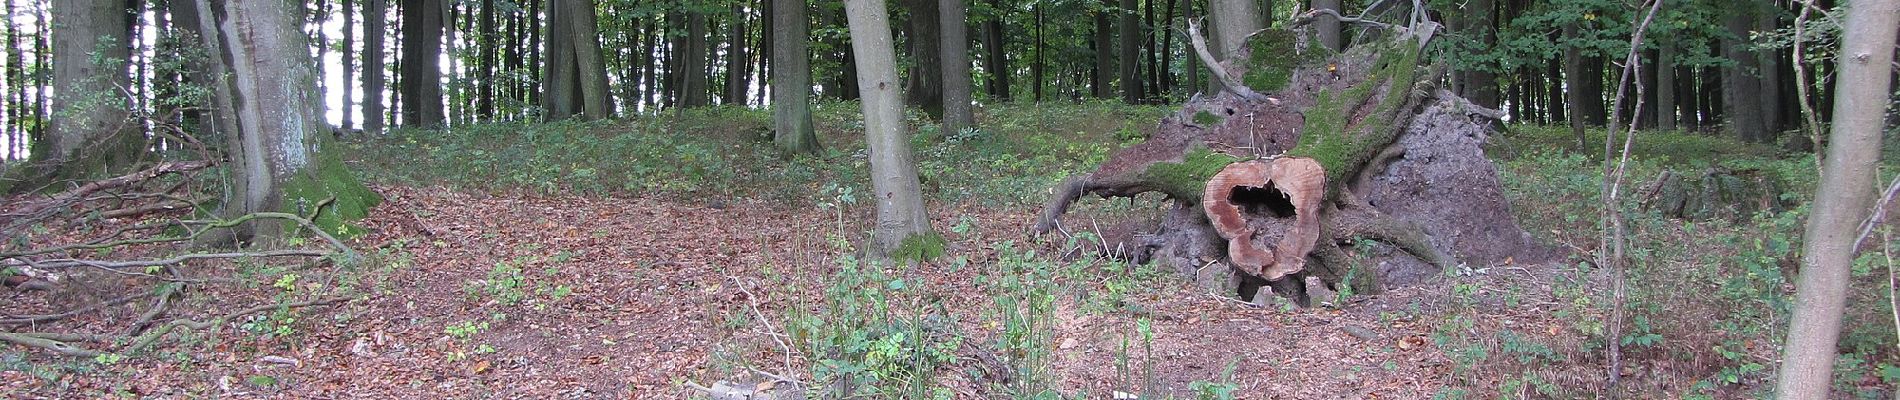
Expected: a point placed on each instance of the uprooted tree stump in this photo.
(1344, 168)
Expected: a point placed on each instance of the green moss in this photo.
(1204, 118)
(1271, 62)
(1186, 180)
(919, 247)
(1327, 137)
(330, 178)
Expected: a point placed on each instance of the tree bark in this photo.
(274, 119)
(1482, 84)
(924, 84)
(89, 135)
(900, 205)
(421, 85)
(1103, 43)
(1326, 27)
(996, 51)
(791, 78)
(597, 99)
(738, 57)
(956, 66)
(1841, 202)
(560, 84)
(1665, 86)
(1131, 84)
(1234, 21)
(1573, 84)
(349, 65)
(1741, 90)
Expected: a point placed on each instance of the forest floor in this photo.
(498, 283)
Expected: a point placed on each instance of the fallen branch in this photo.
(1227, 81)
(115, 265)
(145, 342)
(55, 346)
(209, 225)
(38, 319)
(36, 211)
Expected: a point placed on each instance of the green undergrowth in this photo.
(1712, 295)
(1015, 153)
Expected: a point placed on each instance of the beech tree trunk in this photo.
(1842, 201)
(272, 115)
(956, 66)
(1741, 89)
(1104, 47)
(996, 52)
(900, 204)
(1665, 86)
(1131, 84)
(1326, 27)
(923, 85)
(421, 85)
(374, 30)
(88, 136)
(791, 78)
(1233, 21)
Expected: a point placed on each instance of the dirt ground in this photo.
(583, 297)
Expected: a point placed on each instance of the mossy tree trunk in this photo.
(270, 113)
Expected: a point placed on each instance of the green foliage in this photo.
(878, 334)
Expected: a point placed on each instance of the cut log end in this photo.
(1268, 210)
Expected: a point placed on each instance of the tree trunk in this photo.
(597, 99)
(1234, 20)
(1483, 85)
(1665, 86)
(1573, 84)
(694, 88)
(996, 51)
(348, 54)
(738, 57)
(791, 78)
(923, 86)
(88, 136)
(1130, 52)
(1741, 90)
(422, 102)
(1103, 44)
(1326, 27)
(274, 115)
(1191, 64)
(1842, 201)
(561, 85)
(1768, 60)
(489, 44)
(1036, 68)
(956, 66)
(900, 204)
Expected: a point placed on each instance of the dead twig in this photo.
(33, 212)
(752, 303)
(1227, 81)
(40, 319)
(1612, 183)
(144, 342)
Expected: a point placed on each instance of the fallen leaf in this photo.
(480, 366)
(764, 386)
(1411, 342)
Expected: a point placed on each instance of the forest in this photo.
(949, 199)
